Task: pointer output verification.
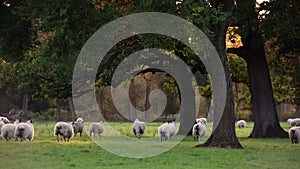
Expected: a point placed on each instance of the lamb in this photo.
(24, 131)
(138, 128)
(65, 130)
(241, 123)
(4, 119)
(167, 131)
(199, 130)
(294, 122)
(204, 120)
(294, 134)
(96, 128)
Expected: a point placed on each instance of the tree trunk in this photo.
(224, 135)
(71, 107)
(266, 123)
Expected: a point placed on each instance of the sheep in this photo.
(17, 121)
(78, 127)
(294, 134)
(79, 120)
(96, 128)
(199, 130)
(8, 131)
(202, 119)
(65, 130)
(4, 119)
(295, 122)
(167, 131)
(138, 128)
(241, 123)
(1, 124)
(289, 121)
(24, 131)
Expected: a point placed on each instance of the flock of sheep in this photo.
(64, 131)
(17, 130)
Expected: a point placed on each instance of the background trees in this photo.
(39, 44)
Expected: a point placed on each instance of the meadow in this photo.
(45, 152)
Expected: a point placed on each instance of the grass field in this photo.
(44, 152)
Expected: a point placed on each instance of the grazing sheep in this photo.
(96, 128)
(241, 123)
(295, 122)
(138, 128)
(294, 134)
(199, 130)
(24, 131)
(167, 131)
(63, 129)
(202, 119)
(4, 119)
(8, 131)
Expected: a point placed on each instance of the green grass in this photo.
(45, 152)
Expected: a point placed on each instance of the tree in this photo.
(281, 26)
(266, 123)
(224, 134)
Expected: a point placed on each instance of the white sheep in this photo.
(295, 122)
(241, 123)
(63, 129)
(199, 130)
(96, 128)
(289, 121)
(17, 121)
(1, 124)
(79, 120)
(8, 131)
(4, 119)
(167, 131)
(294, 134)
(138, 128)
(202, 119)
(24, 131)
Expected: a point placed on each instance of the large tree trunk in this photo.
(266, 123)
(224, 133)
